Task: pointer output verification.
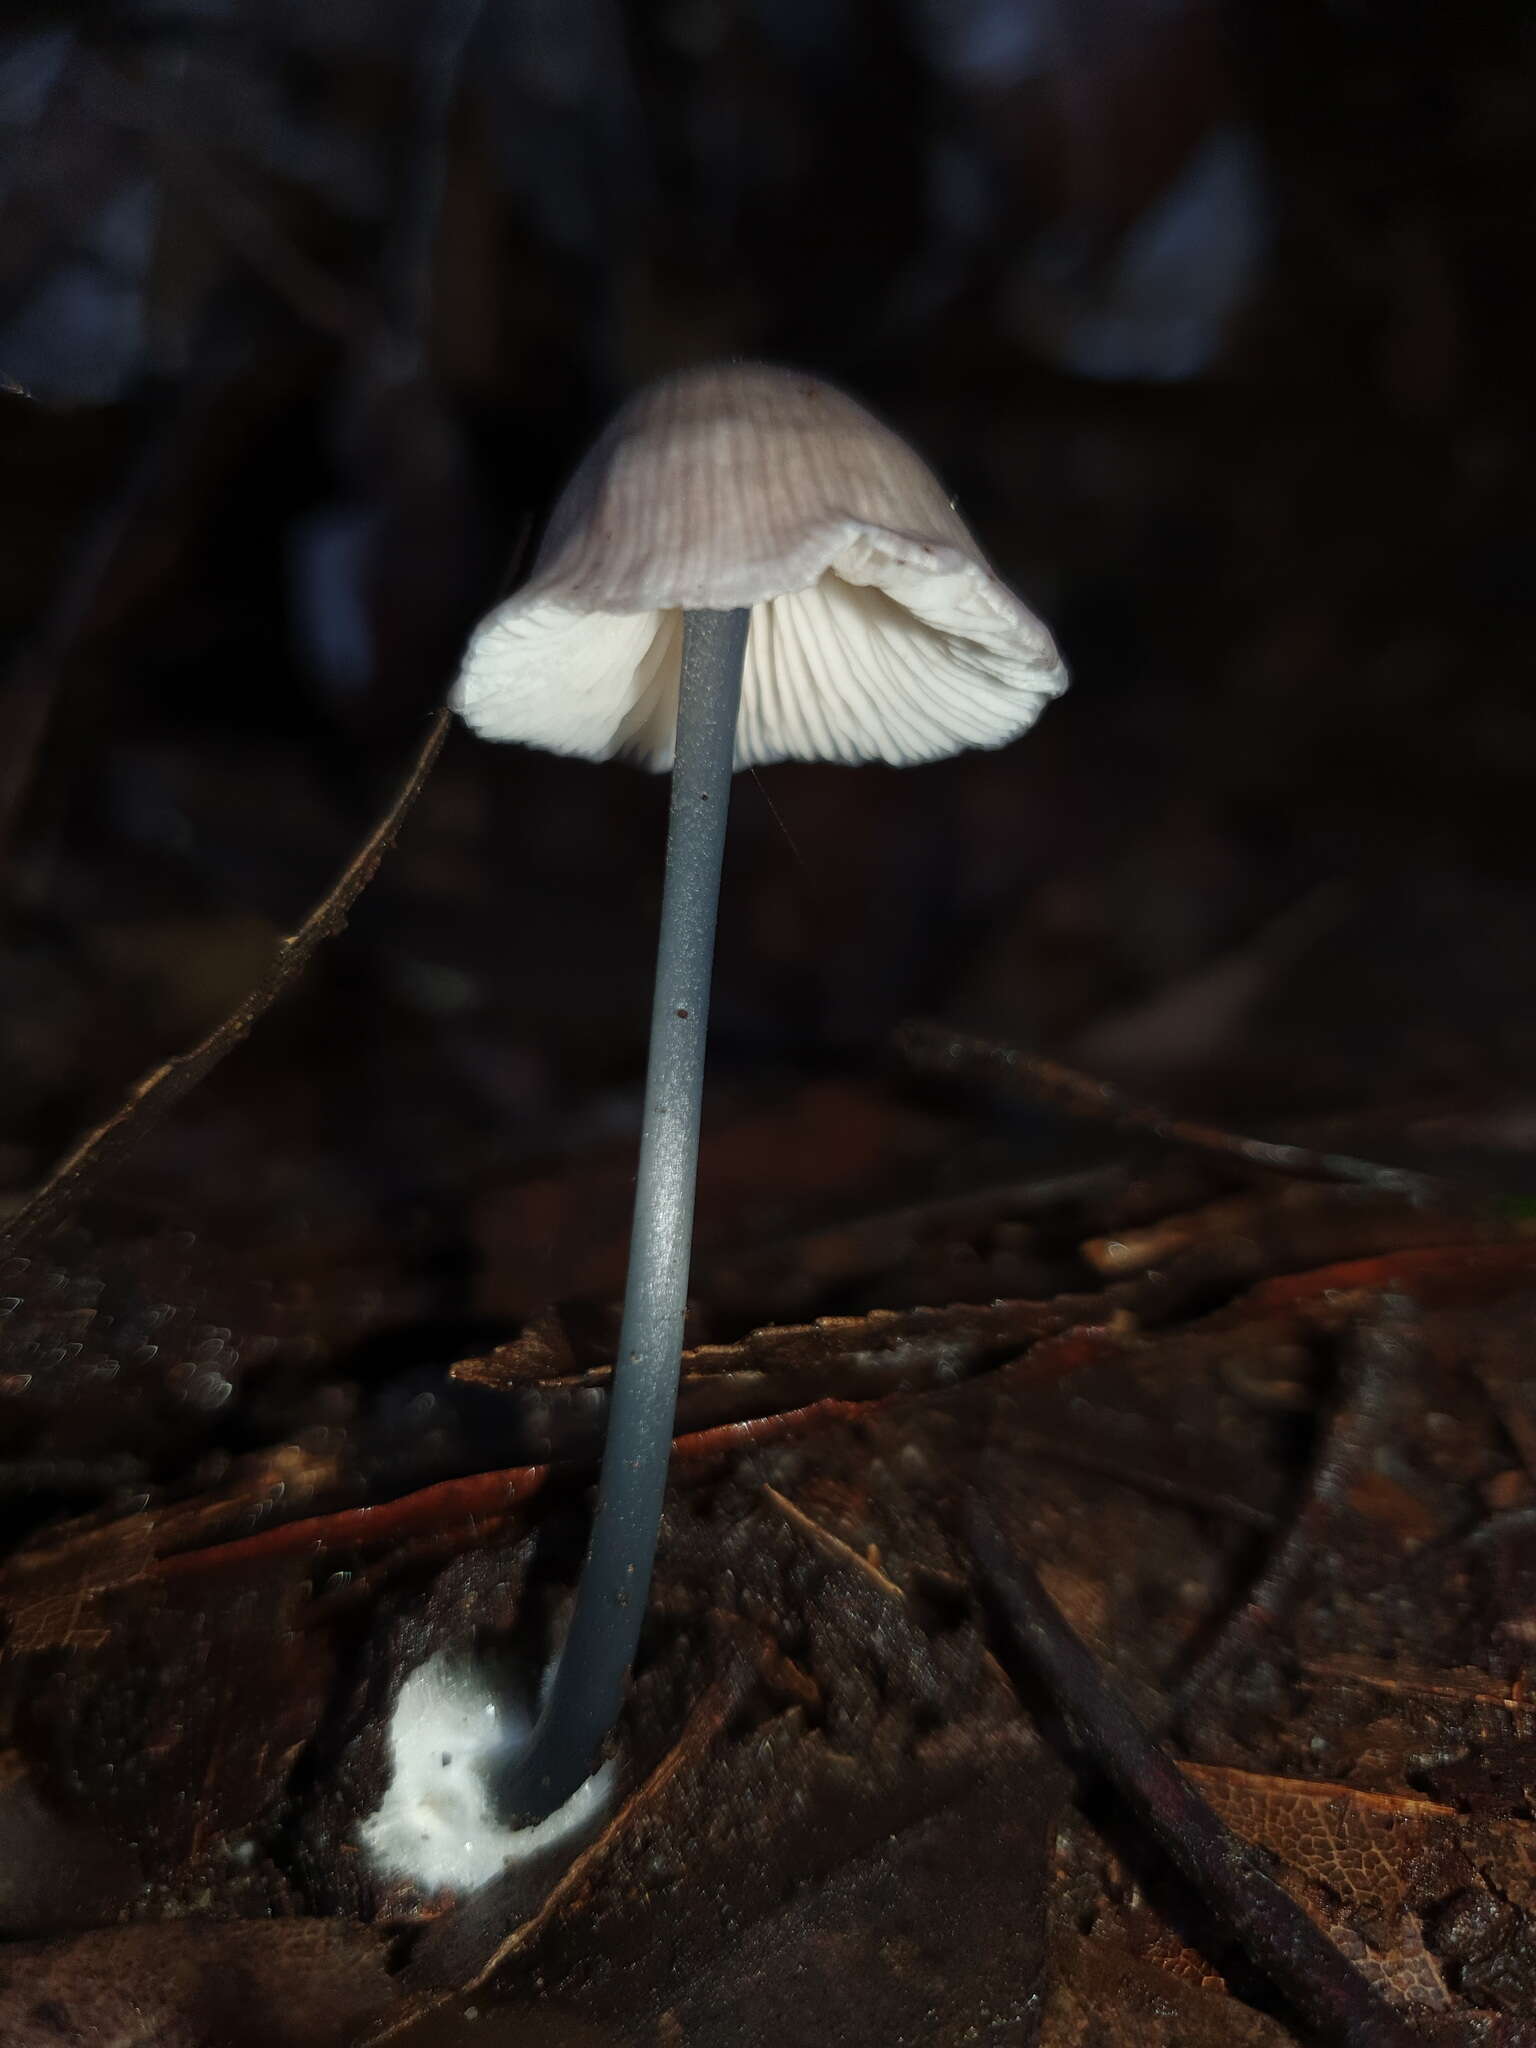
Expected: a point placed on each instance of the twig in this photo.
(103, 573)
(934, 1048)
(159, 1090)
(32, 680)
(412, 246)
(1293, 1951)
(21, 1478)
(246, 227)
(1374, 1364)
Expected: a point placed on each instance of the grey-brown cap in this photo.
(879, 632)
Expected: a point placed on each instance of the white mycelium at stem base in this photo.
(452, 1732)
(746, 568)
(878, 632)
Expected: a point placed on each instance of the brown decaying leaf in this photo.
(1103, 1998)
(245, 1984)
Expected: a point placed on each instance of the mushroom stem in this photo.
(588, 1687)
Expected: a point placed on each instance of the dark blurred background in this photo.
(1217, 320)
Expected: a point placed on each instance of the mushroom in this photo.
(746, 568)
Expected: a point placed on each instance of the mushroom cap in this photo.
(879, 631)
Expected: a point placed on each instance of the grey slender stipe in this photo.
(588, 1688)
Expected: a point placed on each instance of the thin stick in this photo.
(248, 230)
(1378, 1359)
(159, 1090)
(588, 1687)
(32, 682)
(934, 1048)
(1293, 1951)
(418, 218)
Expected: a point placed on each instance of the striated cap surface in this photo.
(879, 632)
